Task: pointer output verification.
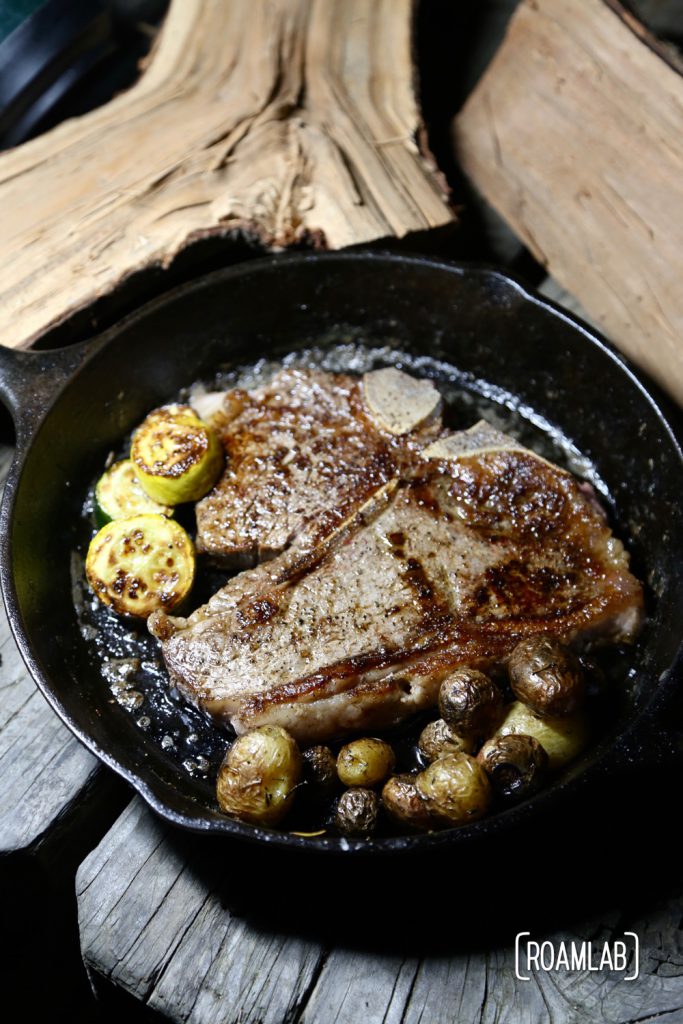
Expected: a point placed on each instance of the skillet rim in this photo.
(615, 749)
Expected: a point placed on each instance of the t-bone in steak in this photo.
(305, 452)
(473, 545)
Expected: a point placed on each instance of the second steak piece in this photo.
(488, 544)
(307, 451)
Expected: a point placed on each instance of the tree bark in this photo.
(575, 135)
(292, 120)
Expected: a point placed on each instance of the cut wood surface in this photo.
(44, 770)
(152, 925)
(292, 120)
(575, 135)
(152, 921)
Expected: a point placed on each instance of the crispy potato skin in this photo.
(437, 738)
(546, 676)
(470, 703)
(455, 789)
(357, 811)
(405, 804)
(320, 769)
(563, 739)
(259, 775)
(516, 766)
(365, 762)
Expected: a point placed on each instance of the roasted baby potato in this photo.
(259, 775)
(516, 765)
(563, 738)
(405, 804)
(470, 703)
(141, 564)
(320, 769)
(119, 494)
(365, 762)
(177, 457)
(357, 811)
(437, 738)
(546, 676)
(455, 789)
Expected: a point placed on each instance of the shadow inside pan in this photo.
(493, 349)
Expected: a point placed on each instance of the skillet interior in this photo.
(477, 320)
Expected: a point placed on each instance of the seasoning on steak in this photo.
(482, 544)
(305, 452)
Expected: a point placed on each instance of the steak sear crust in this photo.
(305, 452)
(473, 546)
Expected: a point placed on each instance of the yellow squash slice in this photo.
(177, 457)
(119, 494)
(141, 564)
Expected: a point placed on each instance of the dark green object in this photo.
(13, 12)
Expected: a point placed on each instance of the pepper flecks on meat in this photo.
(367, 625)
(302, 455)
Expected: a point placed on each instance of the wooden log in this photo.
(55, 803)
(154, 925)
(153, 921)
(44, 770)
(575, 135)
(292, 120)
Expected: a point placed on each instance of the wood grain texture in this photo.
(355, 987)
(43, 768)
(575, 135)
(482, 988)
(151, 925)
(152, 921)
(294, 120)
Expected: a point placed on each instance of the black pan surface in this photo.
(499, 349)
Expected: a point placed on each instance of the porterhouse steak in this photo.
(472, 544)
(306, 451)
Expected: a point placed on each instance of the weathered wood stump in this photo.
(44, 770)
(55, 803)
(154, 922)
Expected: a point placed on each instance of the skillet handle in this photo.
(31, 380)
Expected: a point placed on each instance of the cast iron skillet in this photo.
(481, 321)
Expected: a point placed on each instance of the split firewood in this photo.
(575, 135)
(294, 121)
